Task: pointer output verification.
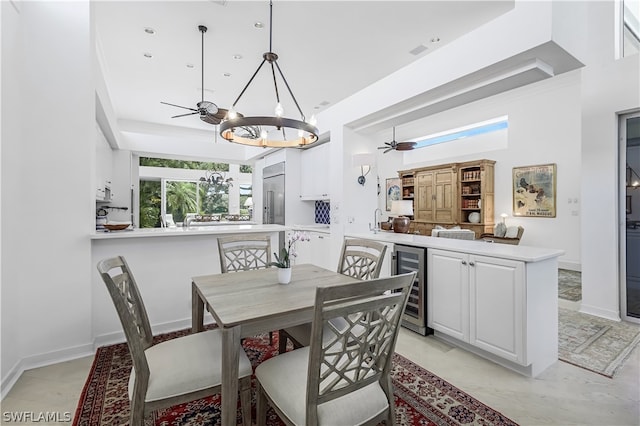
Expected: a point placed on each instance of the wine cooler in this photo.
(409, 259)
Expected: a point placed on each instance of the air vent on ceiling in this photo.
(418, 49)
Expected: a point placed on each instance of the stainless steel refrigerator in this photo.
(273, 194)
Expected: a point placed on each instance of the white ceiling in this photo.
(328, 50)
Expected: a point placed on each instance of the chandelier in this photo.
(213, 177)
(269, 131)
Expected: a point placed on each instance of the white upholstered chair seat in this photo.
(284, 379)
(186, 364)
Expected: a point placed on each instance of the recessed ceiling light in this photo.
(148, 55)
(190, 65)
(237, 56)
(259, 25)
(149, 30)
(435, 39)
(227, 74)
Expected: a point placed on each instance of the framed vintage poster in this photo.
(534, 191)
(394, 191)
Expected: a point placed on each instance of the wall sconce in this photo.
(362, 161)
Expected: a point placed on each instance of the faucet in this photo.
(376, 228)
(187, 221)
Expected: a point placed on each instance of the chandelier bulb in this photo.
(263, 134)
(279, 110)
(231, 114)
(313, 120)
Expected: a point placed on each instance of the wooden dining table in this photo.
(250, 302)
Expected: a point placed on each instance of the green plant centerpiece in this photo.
(283, 260)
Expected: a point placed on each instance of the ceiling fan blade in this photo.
(179, 106)
(210, 118)
(405, 146)
(184, 115)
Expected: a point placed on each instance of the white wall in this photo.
(48, 214)
(544, 127)
(610, 86)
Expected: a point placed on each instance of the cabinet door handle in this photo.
(472, 264)
(464, 262)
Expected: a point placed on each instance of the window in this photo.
(463, 132)
(175, 187)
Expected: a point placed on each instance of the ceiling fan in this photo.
(398, 146)
(209, 112)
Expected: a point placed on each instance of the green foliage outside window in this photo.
(150, 203)
(184, 197)
(182, 164)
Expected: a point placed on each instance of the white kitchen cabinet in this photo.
(448, 293)
(315, 251)
(314, 173)
(478, 300)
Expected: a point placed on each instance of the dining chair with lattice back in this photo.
(245, 252)
(171, 372)
(360, 259)
(343, 377)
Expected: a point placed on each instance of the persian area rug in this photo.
(594, 343)
(569, 285)
(421, 397)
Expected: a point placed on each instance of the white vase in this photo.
(284, 275)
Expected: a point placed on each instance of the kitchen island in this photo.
(163, 261)
(499, 301)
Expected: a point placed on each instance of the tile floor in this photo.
(561, 395)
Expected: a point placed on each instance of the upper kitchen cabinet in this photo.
(314, 176)
(104, 167)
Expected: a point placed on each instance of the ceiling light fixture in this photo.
(213, 177)
(260, 131)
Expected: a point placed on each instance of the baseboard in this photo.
(572, 266)
(42, 360)
(68, 354)
(599, 312)
(167, 327)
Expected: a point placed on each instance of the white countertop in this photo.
(483, 248)
(315, 227)
(192, 230)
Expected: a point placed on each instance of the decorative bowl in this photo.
(386, 226)
(116, 226)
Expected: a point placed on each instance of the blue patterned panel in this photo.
(323, 212)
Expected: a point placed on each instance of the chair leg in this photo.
(136, 418)
(261, 406)
(245, 400)
(391, 412)
(282, 341)
(271, 338)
